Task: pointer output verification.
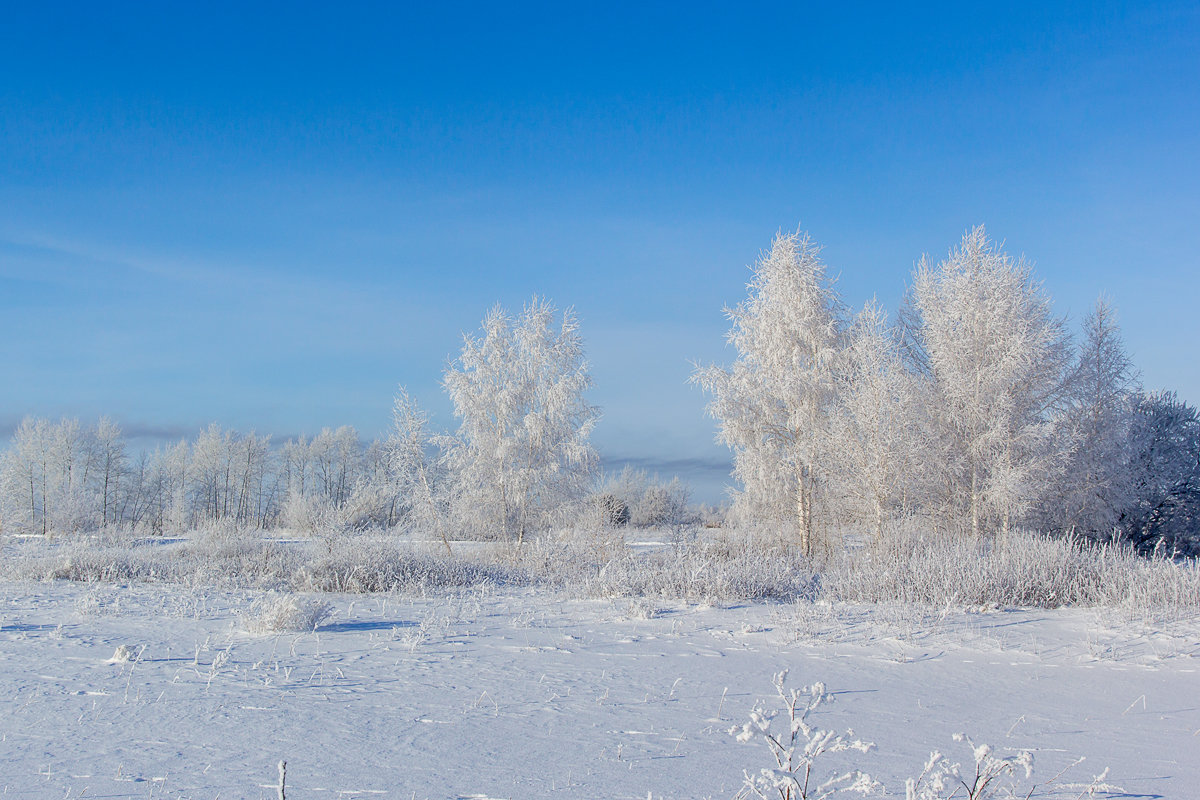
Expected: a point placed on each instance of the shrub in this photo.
(280, 613)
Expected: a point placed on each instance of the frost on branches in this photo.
(417, 475)
(797, 749)
(998, 357)
(521, 453)
(773, 405)
(880, 426)
(942, 779)
(1097, 417)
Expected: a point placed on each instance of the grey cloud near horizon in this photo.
(709, 467)
(136, 429)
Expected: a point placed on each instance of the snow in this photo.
(506, 693)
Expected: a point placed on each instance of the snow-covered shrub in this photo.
(613, 512)
(279, 613)
(642, 608)
(633, 497)
(313, 516)
(87, 564)
(219, 534)
(942, 779)
(663, 504)
(367, 567)
(712, 516)
(797, 748)
(1022, 569)
(706, 570)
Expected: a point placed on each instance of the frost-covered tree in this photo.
(253, 480)
(1164, 499)
(295, 467)
(335, 456)
(521, 451)
(25, 478)
(773, 405)
(72, 459)
(879, 437)
(228, 477)
(998, 356)
(62, 477)
(111, 469)
(416, 471)
(1095, 431)
(375, 498)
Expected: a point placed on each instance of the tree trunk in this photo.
(804, 516)
(974, 502)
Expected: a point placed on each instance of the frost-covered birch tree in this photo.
(111, 469)
(521, 451)
(416, 471)
(998, 356)
(773, 404)
(25, 475)
(1096, 428)
(878, 431)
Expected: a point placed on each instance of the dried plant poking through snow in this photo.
(797, 750)
(279, 613)
(942, 779)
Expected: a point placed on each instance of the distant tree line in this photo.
(520, 461)
(64, 477)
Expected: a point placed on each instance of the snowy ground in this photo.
(522, 694)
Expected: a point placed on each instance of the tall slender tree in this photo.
(773, 405)
(879, 435)
(1095, 429)
(998, 357)
(415, 470)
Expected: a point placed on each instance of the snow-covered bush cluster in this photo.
(284, 612)
(1024, 570)
(709, 567)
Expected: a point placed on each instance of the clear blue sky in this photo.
(269, 217)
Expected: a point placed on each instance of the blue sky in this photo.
(269, 217)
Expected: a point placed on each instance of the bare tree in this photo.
(111, 469)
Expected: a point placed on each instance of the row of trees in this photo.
(65, 477)
(520, 460)
(975, 408)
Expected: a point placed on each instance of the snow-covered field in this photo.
(519, 693)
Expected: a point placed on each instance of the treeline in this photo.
(519, 462)
(64, 477)
(970, 412)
